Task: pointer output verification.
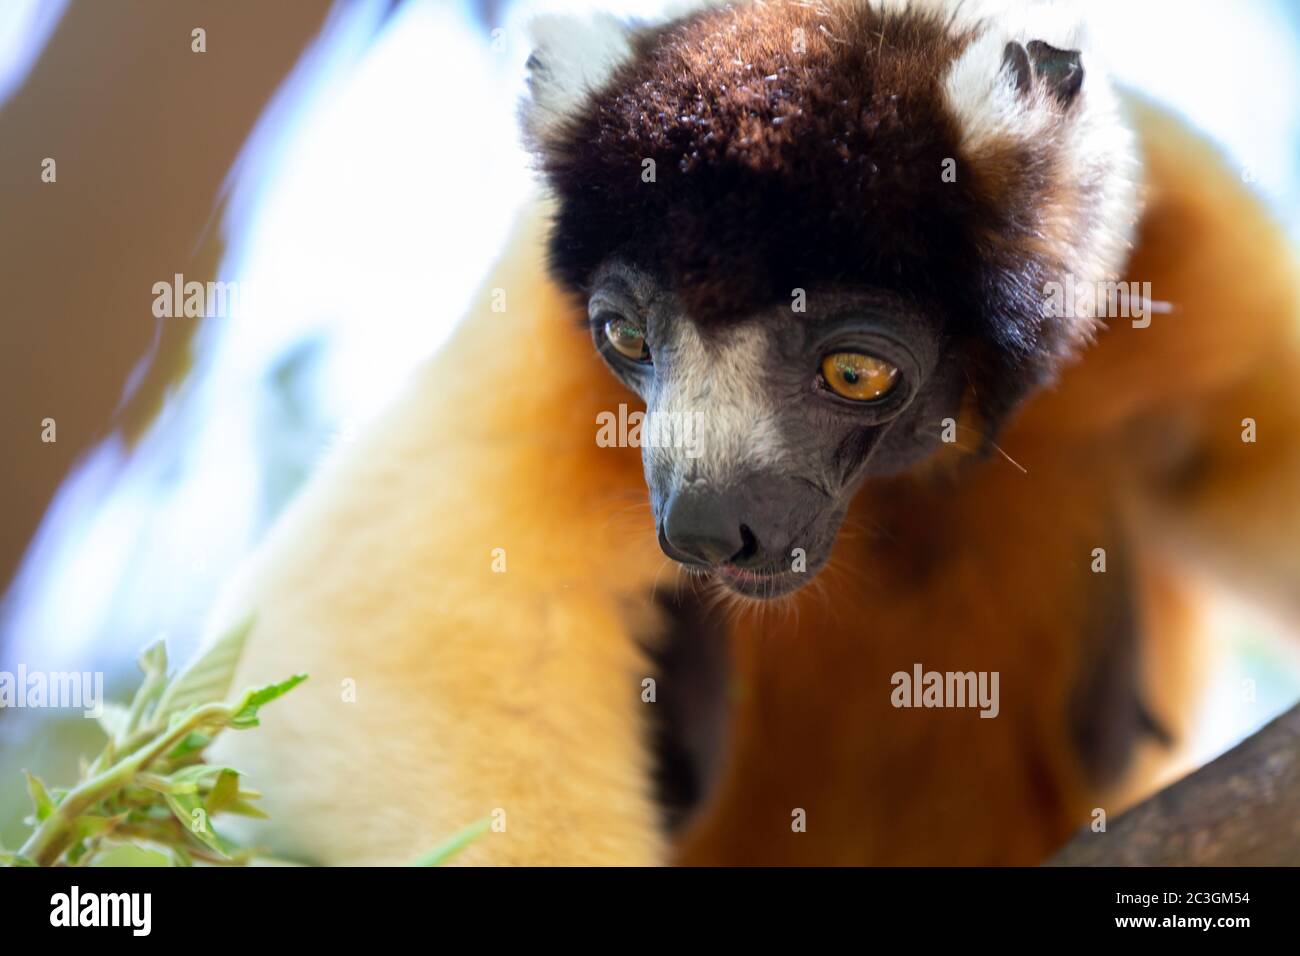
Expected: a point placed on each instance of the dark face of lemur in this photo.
(758, 431)
(810, 234)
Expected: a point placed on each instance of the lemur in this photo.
(825, 233)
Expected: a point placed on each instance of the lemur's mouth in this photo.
(758, 583)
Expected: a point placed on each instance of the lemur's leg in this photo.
(451, 682)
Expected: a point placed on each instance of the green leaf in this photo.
(40, 796)
(14, 859)
(242, 808)
(223, 793)
(183, 806)
(206, 679)
(246, 713)
(166, 784)
(153, 661)
(201, 774)
(448, 848)
(114, 721)
(129, 854)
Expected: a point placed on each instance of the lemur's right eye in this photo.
(628, 339)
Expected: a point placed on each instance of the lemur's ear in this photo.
(572, 58)
(1015, 60)
(1060, 71)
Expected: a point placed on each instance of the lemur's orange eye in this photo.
(862, 378)
(628, 339)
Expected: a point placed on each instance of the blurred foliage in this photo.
(147, 799)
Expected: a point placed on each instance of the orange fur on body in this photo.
(992, 571)
(479, 691)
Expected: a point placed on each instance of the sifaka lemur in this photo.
(827, 239)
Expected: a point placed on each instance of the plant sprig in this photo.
(149, 796)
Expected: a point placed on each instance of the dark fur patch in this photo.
(688, 718)
(1107, 713)
(778, 170)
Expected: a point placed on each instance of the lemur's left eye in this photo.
(628, 339)
(861, 378)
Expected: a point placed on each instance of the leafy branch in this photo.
(149, 796)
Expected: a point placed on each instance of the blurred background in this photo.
(352, 167)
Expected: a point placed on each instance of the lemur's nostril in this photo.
(749, 546)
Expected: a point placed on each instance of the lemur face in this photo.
(808, 233)
(759, 430)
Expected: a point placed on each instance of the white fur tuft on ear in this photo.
(1093, 146)
(572, 58)
(982, 93)
(1052, 21)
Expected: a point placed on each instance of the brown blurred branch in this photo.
(1242, 809)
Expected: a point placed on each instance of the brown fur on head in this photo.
(803, 145)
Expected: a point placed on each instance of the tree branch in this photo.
(1242, 809)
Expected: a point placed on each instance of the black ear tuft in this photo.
(1016, 59)
(1061, 70)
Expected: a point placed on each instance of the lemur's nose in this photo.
(707, 528)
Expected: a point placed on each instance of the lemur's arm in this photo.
(449, 683)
